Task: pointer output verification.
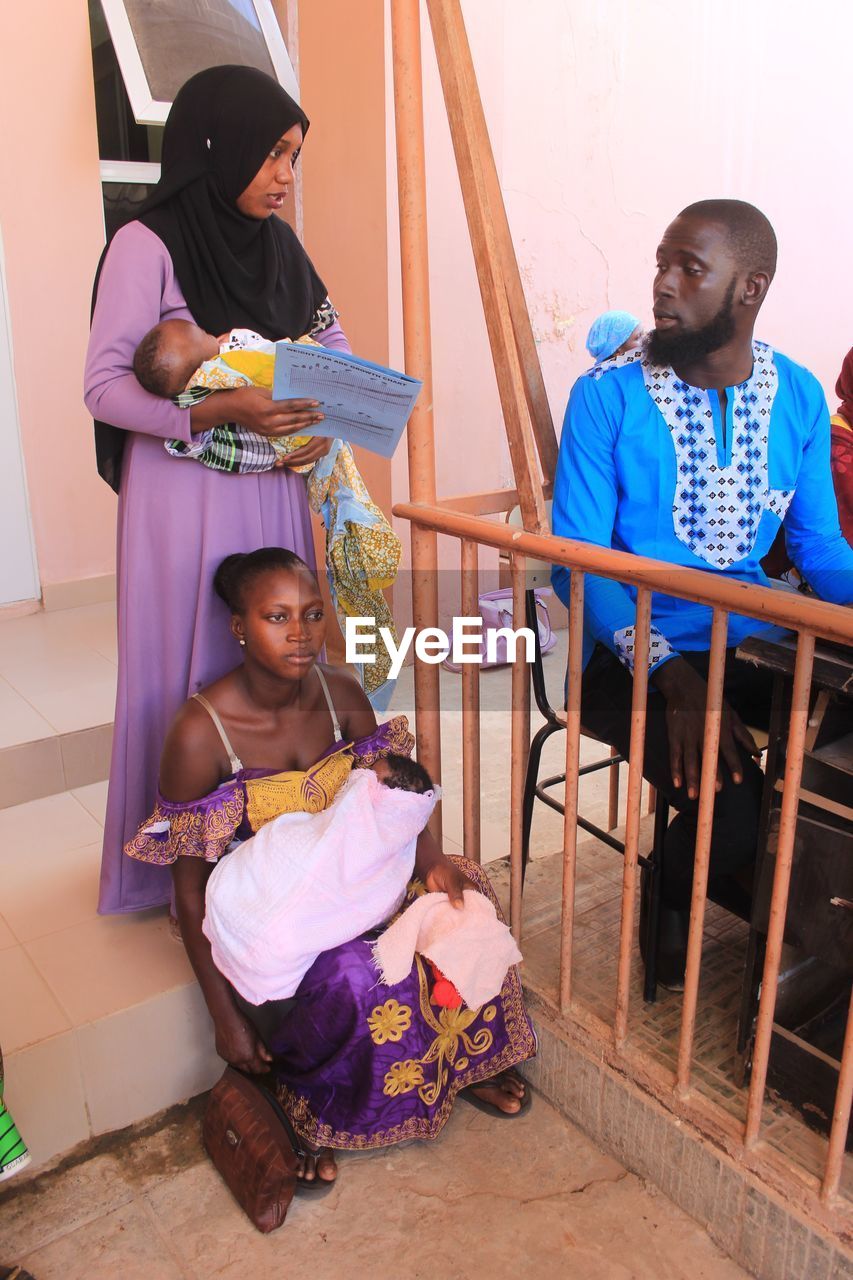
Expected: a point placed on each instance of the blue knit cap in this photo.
(608, 333)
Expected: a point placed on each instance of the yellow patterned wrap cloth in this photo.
(310, 791)
(362, 550)
(205, 828)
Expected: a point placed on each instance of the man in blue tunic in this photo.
(694, 450)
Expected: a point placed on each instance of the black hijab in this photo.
(234, 271)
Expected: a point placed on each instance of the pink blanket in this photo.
(470, 946)
(308, 882)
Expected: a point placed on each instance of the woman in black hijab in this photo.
(209, 247)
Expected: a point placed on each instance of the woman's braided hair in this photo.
(237, 572)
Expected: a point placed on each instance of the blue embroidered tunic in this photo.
(649, 465)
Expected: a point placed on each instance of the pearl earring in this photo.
(243, 643)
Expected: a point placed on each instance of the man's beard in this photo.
(686, 347)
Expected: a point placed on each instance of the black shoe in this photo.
(673, 925)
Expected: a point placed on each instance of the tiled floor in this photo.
(653, 1028)
(57, 672)
(78, 991)
(150, 1205)
(57, 696)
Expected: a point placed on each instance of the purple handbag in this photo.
(496, 612)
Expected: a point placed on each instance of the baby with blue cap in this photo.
(612, 334)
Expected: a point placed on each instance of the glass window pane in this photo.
(121, 203)
(119, 136)
(177, 38)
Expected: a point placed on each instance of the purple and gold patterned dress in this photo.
(358, 1065)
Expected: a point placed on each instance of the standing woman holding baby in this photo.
(207, 247)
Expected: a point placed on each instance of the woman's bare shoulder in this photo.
(355, 713)
(191, 762)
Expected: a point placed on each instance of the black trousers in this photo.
(606, 711)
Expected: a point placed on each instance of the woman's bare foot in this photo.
(318, 1166)
(505, 1092)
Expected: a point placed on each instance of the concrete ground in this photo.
(488, 1199)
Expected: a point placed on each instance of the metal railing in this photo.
(533, 451)
(809, 618)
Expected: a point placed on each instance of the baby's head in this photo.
(402, 774)
(612, 334)
(169, 355)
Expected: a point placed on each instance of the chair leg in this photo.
(654, 870)
(613, 795)
(531, 778)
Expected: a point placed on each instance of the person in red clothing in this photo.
(841, 455)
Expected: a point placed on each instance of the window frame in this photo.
(149, 110)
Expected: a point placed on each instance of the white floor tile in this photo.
(28, 1011)
(53, 824)
(19, 722)
(72, 874)
(94, 799)
(7, 937)
(109, 963)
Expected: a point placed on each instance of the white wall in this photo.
(18, 575)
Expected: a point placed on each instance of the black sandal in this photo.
(489, 1108)
(317, 1186)
(14, 1273)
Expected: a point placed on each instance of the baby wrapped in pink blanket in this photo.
(308, 882)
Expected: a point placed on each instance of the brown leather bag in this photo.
(250, 1140)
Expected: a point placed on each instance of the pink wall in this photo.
(50, 213)
(604, 123)
(614, 119)
(606, 119)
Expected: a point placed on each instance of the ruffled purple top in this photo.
(206, 828)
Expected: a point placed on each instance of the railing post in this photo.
(411, 186)
(632, 819)
(781, 882)
(520, 739)
(702, 853)
(840, 1114)
(570, 819)
(470, 712)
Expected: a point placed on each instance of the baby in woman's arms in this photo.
(179, 361)
(307, 882)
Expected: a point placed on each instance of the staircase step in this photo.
(102, 1020)
(60, 762)
(57, 696)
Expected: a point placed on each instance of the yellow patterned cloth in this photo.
(299, 791)
(362, 552)
(205, 828)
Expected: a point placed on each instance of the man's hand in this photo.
(686, 694)
(445, 877)
(238, 1043)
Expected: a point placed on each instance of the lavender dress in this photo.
(176, 521)
(357, 1064)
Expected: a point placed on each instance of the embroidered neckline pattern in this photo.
(716, 510)
(613, 362)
